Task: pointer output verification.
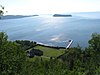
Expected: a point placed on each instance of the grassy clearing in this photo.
(37, 57)
(47, 53)
(50, 52)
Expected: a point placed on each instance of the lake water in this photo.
(52, 30)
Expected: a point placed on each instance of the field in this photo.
(48, 52)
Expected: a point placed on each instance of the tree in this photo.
(3, 38)
(26, 44)
(12, 57)
(94, 42)
(1, 11)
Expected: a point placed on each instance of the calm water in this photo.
(51, 30)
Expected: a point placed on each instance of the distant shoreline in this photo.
(16, 16)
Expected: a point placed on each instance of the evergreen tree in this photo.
(12, 57)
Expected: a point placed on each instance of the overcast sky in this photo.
(29, 7)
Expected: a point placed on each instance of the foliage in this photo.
(95, 42)
(74, 61)
(12, 56)
(1, 11)
(26, 44)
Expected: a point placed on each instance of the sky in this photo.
(31, 7)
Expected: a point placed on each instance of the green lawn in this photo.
(50, 52)
(47, 53)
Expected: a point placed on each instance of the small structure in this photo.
(70, 42)
(30, 54)
(34, 52)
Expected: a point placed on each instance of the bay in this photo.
(50, 30)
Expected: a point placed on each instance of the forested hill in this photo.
(74, 61)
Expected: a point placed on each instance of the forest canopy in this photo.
(75, 61)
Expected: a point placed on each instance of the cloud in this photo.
(49, 6)
(60, 6)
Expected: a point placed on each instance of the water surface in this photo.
(51, 30)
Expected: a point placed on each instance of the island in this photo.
(61, 15)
